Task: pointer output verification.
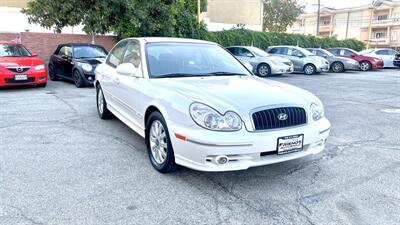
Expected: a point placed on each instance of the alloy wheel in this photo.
(100, 101)
(263, 70)
(158, 142)
(309, 70)
(365, 66)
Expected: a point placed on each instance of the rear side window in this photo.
(116, 54)
(333, 51)
(273, 51)
(232, 50)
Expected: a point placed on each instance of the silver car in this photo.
(303, 60)
(336, 63)
(263, 64)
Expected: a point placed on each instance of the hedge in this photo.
(265, 39)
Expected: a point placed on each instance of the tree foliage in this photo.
(279, 14)
(123, 17)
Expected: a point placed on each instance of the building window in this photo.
(325, 21)
(379, 35)
(382, 17)
(395, 35)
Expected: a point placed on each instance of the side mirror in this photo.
(65, 57)
(249, 55)
(325, 56)
(127, 69)
(352, 56)
(300, 55)
(34, 54)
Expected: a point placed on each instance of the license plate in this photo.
(20, 77)
(290, 144)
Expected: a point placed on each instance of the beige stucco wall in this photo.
(234, 11)
(13, 3)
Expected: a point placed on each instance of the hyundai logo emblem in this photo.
(282, 116)
(19, 69)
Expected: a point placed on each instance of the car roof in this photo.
(285, 46)
(169, 40)
(79, 44)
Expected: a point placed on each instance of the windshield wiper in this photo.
(225, 74)
(172, 75)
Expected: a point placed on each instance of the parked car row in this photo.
(77, 62)
(313, 60)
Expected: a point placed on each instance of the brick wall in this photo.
(46, 43)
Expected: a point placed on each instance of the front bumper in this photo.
(244, 149)
(34, 78)
(281, 69)
(89, 78)
(322, 68)
(377, 65)
(352, 66)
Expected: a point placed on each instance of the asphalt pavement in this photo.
(61, 164)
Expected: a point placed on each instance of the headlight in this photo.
(210, 119)
(317, 111)
(39, 67)
(86, 67)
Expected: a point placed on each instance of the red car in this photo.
(366, 62)
(18, 66)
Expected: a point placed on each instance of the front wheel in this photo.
(159, 146)
(337, 67)
(309, 69)
(102, 110)
(365, 66)
(264, 70)
(78, 80)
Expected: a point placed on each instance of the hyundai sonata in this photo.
(197, 106)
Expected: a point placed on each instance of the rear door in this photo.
(296, 57)
(387, 57)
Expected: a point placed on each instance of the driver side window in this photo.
(116, 55)
(132, 54)
(65, 51)
(243, 52)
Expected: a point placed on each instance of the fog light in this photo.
(42, 78)
(90, 78)
(221, 160)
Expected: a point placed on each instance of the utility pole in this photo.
(318, 16)
(198, 11)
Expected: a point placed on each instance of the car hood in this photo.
(239, 93)
(20, 61)
(91, 61)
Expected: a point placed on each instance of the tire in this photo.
(41, 85)
(310, 69)
(158, 143)
(52, 73)
(337, 67)
(102, 110)
(78, 80)
(263, 70)
(365, 66)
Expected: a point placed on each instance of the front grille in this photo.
(13, 81)
(397, 57)
(268, 119)
(18, 69)
(288, 63)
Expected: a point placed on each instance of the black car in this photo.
(396, 61)
(76, 62)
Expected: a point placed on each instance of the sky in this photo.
(338, 4)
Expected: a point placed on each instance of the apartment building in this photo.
(226, 14)
(378, 26)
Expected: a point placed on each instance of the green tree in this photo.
(124, 17)
(279, 14)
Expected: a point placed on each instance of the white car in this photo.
(387, 55)
(197, 106)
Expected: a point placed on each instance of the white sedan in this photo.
(197, 106)
(385, 54)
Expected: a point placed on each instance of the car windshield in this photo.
(365, 52)
(191, 59)
(259, 52)
(89, 52)
(304, 51)
(13, 50)
(323, 51)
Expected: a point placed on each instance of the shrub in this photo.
(265, 39)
